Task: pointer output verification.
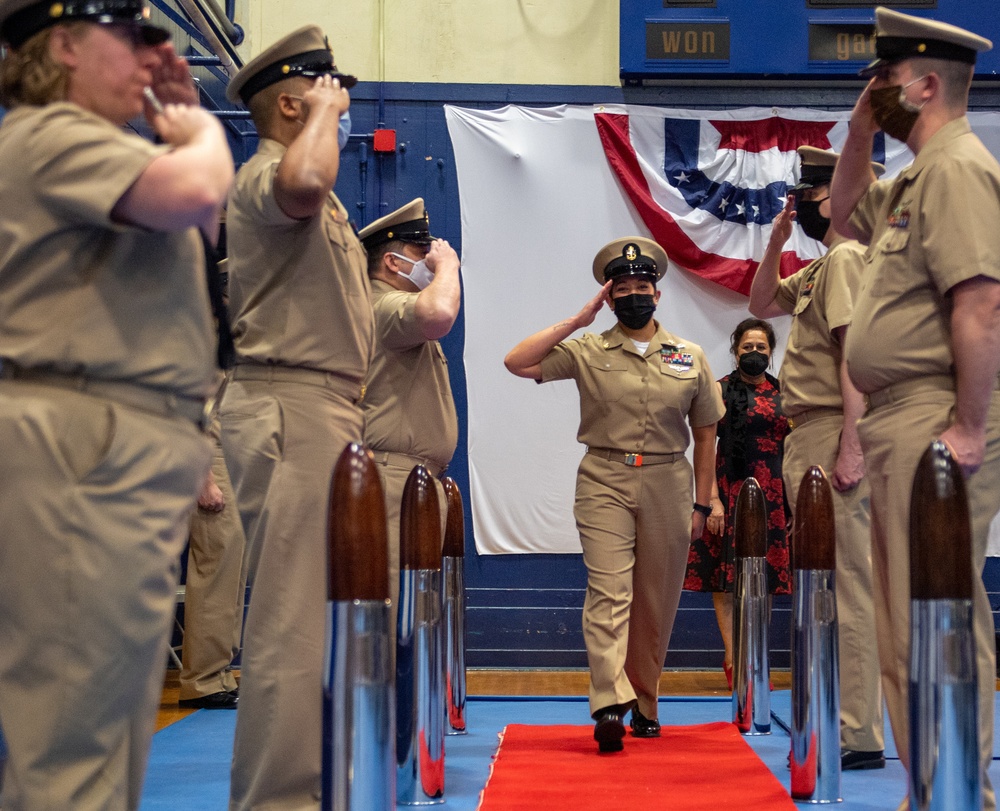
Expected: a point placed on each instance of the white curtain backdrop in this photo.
(538, 199)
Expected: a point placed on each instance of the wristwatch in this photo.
(703, 509)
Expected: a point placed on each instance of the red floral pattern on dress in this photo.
(711, 559)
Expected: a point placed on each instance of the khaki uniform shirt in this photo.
(79, 293)
(635, 403)
(820, 298)
(407, 404)
(933, 226)
(298, 289)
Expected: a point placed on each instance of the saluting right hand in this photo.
(326, 94)
(179, 124)
(862, 121)
(172, 82)
(586, 316)
(781, 226)
(441, 251)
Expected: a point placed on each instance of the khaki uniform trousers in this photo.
(95, 507)
(817, 442)
(635, 529)
(282, 440)
(393, 471)
(214, 594)
(894, 437)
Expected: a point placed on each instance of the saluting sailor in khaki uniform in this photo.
(303, 332)
(924, 345)
(824, 408)
(410, 416)
(640, 390)
(107, 351)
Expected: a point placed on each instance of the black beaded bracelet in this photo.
(703, 509)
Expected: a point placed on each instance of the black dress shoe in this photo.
(643, 727)
(215, 701)
(850, 759)
(609, 730)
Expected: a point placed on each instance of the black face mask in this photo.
(813, 223)
(635, 310)
(892, 112)
(753, 364)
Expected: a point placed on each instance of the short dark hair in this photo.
(641, 276)
(375, 256)
(956, 78)
(745, 326)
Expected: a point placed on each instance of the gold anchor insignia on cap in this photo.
(56, 10)
(631, 252)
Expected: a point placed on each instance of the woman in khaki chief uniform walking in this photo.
(107, 345)
(640, 388)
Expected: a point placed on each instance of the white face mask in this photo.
(419, 273)
(344, 130)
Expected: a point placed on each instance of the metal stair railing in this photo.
(207, 37)
(205, 23)
(212, 37)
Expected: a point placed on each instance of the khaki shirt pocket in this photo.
(348, 255)
(336, 230)
(891, 257)
(608, 378)
(802, 304)
(894, 240)
(678, 388)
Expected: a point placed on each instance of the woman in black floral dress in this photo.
(751, 437)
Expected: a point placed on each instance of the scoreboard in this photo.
(777, 38)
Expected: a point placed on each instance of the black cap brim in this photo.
(153, 34)
(346, 80)
(874, 67)
(810, 183)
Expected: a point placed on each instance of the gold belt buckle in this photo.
(633, 459)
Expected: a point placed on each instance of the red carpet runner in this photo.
(690, 768)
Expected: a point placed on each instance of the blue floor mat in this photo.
(189, 761)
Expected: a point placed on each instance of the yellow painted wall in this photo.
(573, 42)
